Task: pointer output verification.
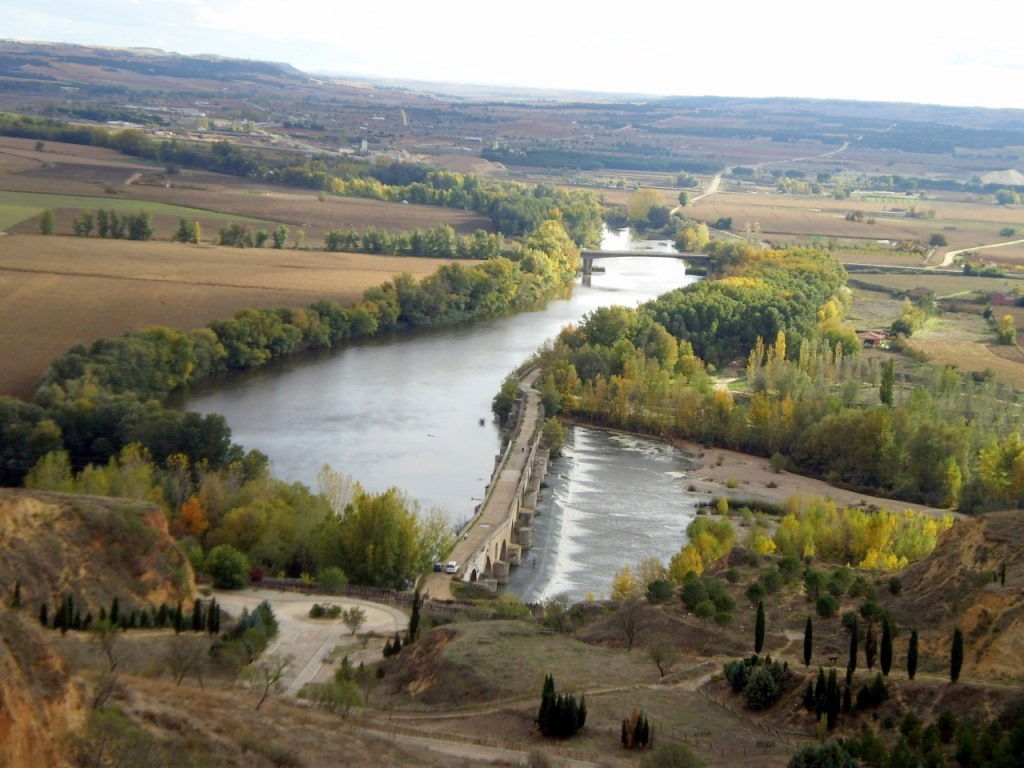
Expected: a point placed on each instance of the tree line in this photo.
(439, 242)
(812, 404)
(514, 208)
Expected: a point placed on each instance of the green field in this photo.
(16, 207)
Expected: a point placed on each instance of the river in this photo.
(406, 411)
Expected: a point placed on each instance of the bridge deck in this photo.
(691, 257)
(495, 510)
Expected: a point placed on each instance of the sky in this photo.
(930, 51)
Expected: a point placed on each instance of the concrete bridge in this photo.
(494, 540)
(588, 257)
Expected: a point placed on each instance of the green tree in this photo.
(912, 654)
(140, 226)
(886, 652)
(759, 627)
(684, 199)
(228, 567)
(938, 240)
(851, 664)
(82, 225)
(808, 641)
(46, 222)
(829, 755)
(280, 236)
(888, 381)
(379, 539)
(956, 655)
(671, 756)
(414, 616)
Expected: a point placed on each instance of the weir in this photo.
(495, 538)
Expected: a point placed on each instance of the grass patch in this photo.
(16, 207)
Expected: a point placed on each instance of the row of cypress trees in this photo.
(560, 715)
(69, 616)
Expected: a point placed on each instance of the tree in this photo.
(956, 655)
(808, 642)
(414, 616)
(378, 538)
(664, 653)
(829, 755)
(198, 620)
(851, 664)
(82, 225)
(280, 236)
(759, 627)
(228, 567)
(912, 654)
(46, 222)
(1006, 330)
(640, 203)
(938, 240)
(186, 653)
(265, 675)
(140, 226)
(187, 232)
(44, 619)
(332, 580)
(888, 381)
(886, 652)
(684, 199)
(353, 618)
(629, 620)
(625, 585)
(870, 645)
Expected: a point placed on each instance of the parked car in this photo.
(452, 567)
(438, 567)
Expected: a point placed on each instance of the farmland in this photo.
(58, 291)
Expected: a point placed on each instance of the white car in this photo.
(451, 567)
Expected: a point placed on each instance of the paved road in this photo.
(308, 641)
(499, 499)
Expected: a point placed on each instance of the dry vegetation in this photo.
(58, 291)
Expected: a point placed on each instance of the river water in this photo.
(406, 411)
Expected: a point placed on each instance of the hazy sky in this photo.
(936, 51)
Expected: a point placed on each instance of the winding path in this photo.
(951, 255)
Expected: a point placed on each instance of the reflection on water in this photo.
(612, 500)
(406, 411)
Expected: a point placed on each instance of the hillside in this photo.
(94, 548)
(954, 586)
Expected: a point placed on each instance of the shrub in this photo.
(827, 606)
(671, 756)
(332, 580)
(873, 694)
(772, 581)
(694, 593)
(755, 592)
(830, 755)
(659, 591)
(228, 567)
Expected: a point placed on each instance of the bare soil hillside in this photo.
(955, 586)
(94, 548)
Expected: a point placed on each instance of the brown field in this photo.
(795, 217)
(69, 169)
(942, 285)
(969, 357)
(58, 291)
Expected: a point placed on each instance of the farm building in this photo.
(874, 339)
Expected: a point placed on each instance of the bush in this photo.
(755, 593)
(671, 756)
(694, 593)
(822, 756)
(827, 606)
(772, 581)
(228, 567)
(873, 694)
(659, 591)
(761, 690)
(332, 580)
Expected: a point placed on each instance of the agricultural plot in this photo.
(59, 291)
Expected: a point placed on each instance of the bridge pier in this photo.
(515, 554)
(500, 570)
(525, 538)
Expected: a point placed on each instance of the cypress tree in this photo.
(103, 613)
(809, 697)
(832, 700)
(956, 655)
(851, 665)
(886, 653)
(547, 704)
(179, 619)
(1002, 574)
(414, 618)
(161, 616)
(16, 600)
(87, 622)
(197, 616)
(847, 700)
(115, 612)
(44, 619)
(214, 621)
(870, 646)
(912, 655)
(759, 627)
(820, 693)
(808, 642)
(396, 644)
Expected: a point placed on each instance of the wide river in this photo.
(406, 411)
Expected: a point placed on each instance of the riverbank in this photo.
(715, 469)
